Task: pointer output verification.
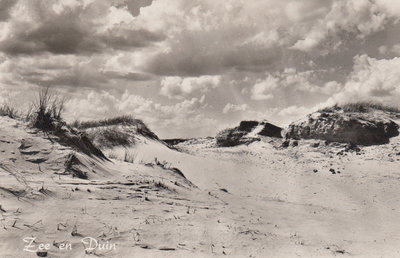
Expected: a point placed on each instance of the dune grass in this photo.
(45, 114)
(111, 137)
(127, 155)
(9, 111)
(141, 127)
(361, 107)
(107, 122)
(46, 110)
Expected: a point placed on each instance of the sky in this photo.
(192, 68)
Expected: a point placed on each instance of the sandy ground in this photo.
(248, 201)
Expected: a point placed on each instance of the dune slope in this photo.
(260, 200)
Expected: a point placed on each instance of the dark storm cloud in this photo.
(58, 35)
(79, 77)
(63, 37)
(72, 31)
(209, 53)
(126, 39)
(128, 76)
(182, 64)
(72, 77)
(133, 5)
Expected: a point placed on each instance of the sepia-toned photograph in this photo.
(199, 128)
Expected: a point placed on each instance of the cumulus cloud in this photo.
(168, 119)
(294, 111)
(291, 81)
(281, 116)
(359, 17)
(65, 70)
(383, 50)
(395, 49)
(263, 35)
(178, 87)
(372, 80)
(229, 108)
(262, 89)
(238, 35)
(36, 27)
(307, 81)
(390, 7)
(194, 57)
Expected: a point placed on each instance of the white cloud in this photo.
(395, 49)
(200, 54)
(305, 81)
(178, 87)
(208, 37)
(290, 81)
(298, 80)
(358, 17)
(383, 50)
(372, 80)
(280, 116)
(294, 111)
(331, 87)
(390, 6)
(229, 108)
(262, 89)
(171, 120)
(73, 27)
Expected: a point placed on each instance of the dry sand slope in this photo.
(247, 201)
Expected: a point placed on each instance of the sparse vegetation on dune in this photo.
(149, 200)
(239, 135)
(360, 107)
(107, 122)
(9, 111)
(126, 155)
(112, 135)
(48, 108)
(352, 123)
(45, 114)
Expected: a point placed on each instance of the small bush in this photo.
(6, 110)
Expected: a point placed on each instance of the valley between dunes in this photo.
(255, 200)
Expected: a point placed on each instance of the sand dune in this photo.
(256, 200)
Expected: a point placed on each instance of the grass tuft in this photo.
(48, 108)
(6, 110)
(141, 128)
(107, 122)
(360, 107)
(127, 155)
